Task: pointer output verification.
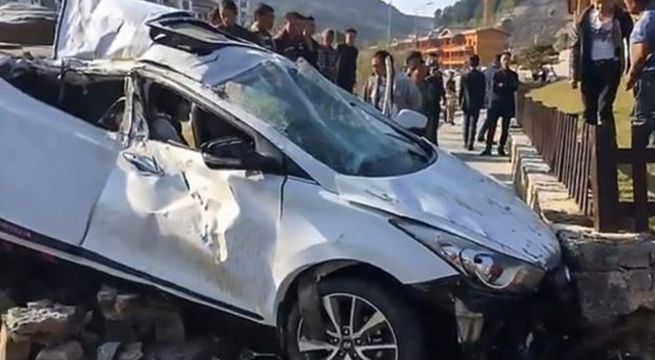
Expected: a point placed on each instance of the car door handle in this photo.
(146, 165)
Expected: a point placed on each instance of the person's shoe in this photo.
(486, 152)
(471, 147)
(501, 152)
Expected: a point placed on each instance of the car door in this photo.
(54, 167)
(169, 220)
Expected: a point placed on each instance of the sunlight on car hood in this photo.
(451, 196)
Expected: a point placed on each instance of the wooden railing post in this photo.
(604, 182)
(639, 179)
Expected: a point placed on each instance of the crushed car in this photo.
(156, 149)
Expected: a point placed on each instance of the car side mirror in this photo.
(234, 153)
(412, 120)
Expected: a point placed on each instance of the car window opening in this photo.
(174, 118)
(89, 99)
(331, 126)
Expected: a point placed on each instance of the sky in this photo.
(419, 7)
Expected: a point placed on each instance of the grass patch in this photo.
(563, 97)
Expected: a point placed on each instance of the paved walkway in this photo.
(451, 138)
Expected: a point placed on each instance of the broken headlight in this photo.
(485, 266)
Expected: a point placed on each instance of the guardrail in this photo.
(586, 161)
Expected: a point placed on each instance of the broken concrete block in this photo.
(13, 348)
(6, 302)
(640, 281)
(193, 350)
(634, 255)
(169, 327)
(120, 331)
(106, 298)
(131, 351)
(107, 351)
(583, 255)
(602, 296)
(71, 350)
(44, 322)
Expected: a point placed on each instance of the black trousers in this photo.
(600, 84)
(470, 126)
(494, 115)
(482, 135)
(432, 129)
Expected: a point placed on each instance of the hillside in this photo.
(369, 17)
(526, 20)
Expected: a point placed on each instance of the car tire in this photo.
(401, 324)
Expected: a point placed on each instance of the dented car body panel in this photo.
(154, 211)
(72, 161)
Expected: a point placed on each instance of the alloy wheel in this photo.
(355, 330)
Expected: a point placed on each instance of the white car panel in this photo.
(105, 29)
(209, 233)
(319, 226)
(453, 197)
(54, 166)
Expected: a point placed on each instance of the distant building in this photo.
(455, 45)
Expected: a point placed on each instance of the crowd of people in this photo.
(295, 40)
(598, 64)
(421, 86)
(424, 88)
(600, 59)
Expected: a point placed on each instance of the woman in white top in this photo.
(598, 59)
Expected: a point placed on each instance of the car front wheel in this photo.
(362, 320)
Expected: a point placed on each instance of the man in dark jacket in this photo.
(347, 62)
(598, 60)
(311, 46)
(261, 28)
(471, 97)
(504, 85)
(489, 77)
(227, 21)
(290, 42)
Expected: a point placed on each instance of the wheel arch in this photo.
(328, 269)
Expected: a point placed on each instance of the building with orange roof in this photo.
(455, 45)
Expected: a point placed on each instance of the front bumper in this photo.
(501, 325)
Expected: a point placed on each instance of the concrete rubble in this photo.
(132, 327)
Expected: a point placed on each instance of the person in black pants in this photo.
(505, 84)
(471, 97)
(489, 77)
(598, 60)
(347, 54)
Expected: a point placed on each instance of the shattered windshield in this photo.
(332, 126)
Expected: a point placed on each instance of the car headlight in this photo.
(490, 268)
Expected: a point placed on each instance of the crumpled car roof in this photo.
(19, 13)
(107, 29)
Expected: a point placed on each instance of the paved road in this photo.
(451, 138)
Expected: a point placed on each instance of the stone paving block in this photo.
(13, 348)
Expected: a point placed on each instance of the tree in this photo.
(533, 58)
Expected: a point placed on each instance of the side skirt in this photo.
(22, 237)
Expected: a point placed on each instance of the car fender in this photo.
(318, 228)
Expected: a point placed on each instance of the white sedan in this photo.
(159, 150)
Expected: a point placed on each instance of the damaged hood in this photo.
(451, 196)
(107, 29)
